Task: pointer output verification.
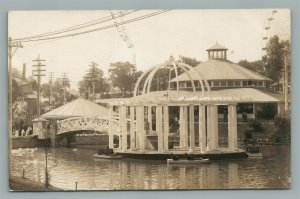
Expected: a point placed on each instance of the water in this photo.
(67, 166)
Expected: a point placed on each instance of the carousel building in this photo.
(145, 121)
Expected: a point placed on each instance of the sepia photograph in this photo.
(166, 99)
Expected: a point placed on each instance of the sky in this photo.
(173, 33)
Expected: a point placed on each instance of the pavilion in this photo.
(144, 119)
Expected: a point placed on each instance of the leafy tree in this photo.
(124, 76)
(256, 66)
(276, 52)
(190, 61)
(94, 76)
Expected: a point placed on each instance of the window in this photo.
(237, 83)
(244, 83)
(216, 83)
(230, 83)
(223, 83)
(260, 84)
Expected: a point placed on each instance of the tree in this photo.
(276, 52)
(190, 61)
(94, 76)
(256, 66)
(124, 76)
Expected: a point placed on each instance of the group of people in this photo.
(24, 131)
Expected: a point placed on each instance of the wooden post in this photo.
(111, 127)
(186, 127)
(132, 129)
(159, 128)
(192, 128)
(202, 129)
(209, 128)
(150, 119)
(166, 128)
(216, 126)
(123, 120)
(140, 126)
(232, 127)
(182, 127)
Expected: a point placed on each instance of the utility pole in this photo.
(64, 80)
(92, 77)
(12, 48)
(51, 76)
(38, 72)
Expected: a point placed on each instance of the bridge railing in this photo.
(85, 123)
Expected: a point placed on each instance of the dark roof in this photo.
(217, 46)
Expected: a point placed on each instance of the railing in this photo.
(100, 124)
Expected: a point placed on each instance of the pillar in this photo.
(202, 129)
(159, 128)
(150, 119)
(183, 127)
(212, 127)
(132, 129)
(140, 124)
(192, 128)
(123, 120)
(111, 127)
(232, 127)
(166, 128)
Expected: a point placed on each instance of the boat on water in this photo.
(111, 156)
(255, 155)
(182, 161)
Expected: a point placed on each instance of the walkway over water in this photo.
(100, 124)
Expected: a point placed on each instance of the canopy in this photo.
(77, 108)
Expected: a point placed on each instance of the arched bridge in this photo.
(75, 124)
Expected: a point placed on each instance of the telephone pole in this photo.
(92, 77)
(12, 48)
(64, 80)
(39, 72)
(51, 76)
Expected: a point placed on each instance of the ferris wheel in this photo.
(277, 23)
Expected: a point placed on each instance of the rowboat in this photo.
(255, 155)
(103, 156)
(194, 161)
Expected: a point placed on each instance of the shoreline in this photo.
(23, 184)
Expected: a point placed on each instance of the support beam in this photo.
(232, 127)
(192, 128)
(140, 117)
(183, 127)
(209, 128)
(111, 128)
(216, 126)
(166, 128)
(150, 119)
(132, 129)
(124, 128)
(159, 128)
(121, 127)
(202, 129)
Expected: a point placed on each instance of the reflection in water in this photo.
(67, 167)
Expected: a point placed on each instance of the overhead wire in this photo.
(77, 27)
(101, 28)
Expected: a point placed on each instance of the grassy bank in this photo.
(23, 184)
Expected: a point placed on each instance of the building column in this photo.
(182, 129)
(216, 126)
(132, 129)
(192, 128)
(166, 128)
(111, 127)
(232, 127)
(140, 123)
(150, 119)
(159, 128)
(202, 129)
(212, 127)
(123, 133)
